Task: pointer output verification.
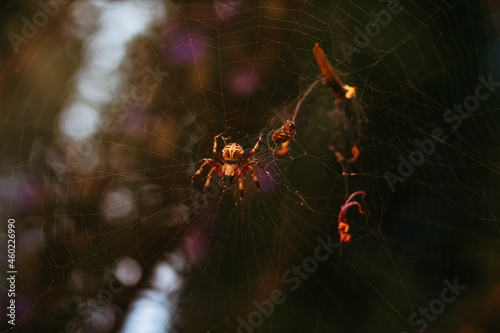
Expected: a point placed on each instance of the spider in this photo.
(230, 165)
(343, 226)
(284, 135)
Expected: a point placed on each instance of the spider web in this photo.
(109, 108)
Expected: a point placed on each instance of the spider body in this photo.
(230, 165)
(231, 154)
(284, 135)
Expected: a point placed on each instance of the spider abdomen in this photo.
(232, 152)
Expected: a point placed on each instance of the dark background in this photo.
(440, 223)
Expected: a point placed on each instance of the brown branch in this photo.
(330, 78)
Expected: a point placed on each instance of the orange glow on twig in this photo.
(330, 78)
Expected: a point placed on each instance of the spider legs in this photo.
(240, 187)
(216, 154)
(215, 168)
(248, 167)
(252, 151)
(209, 178)
(234, 166)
